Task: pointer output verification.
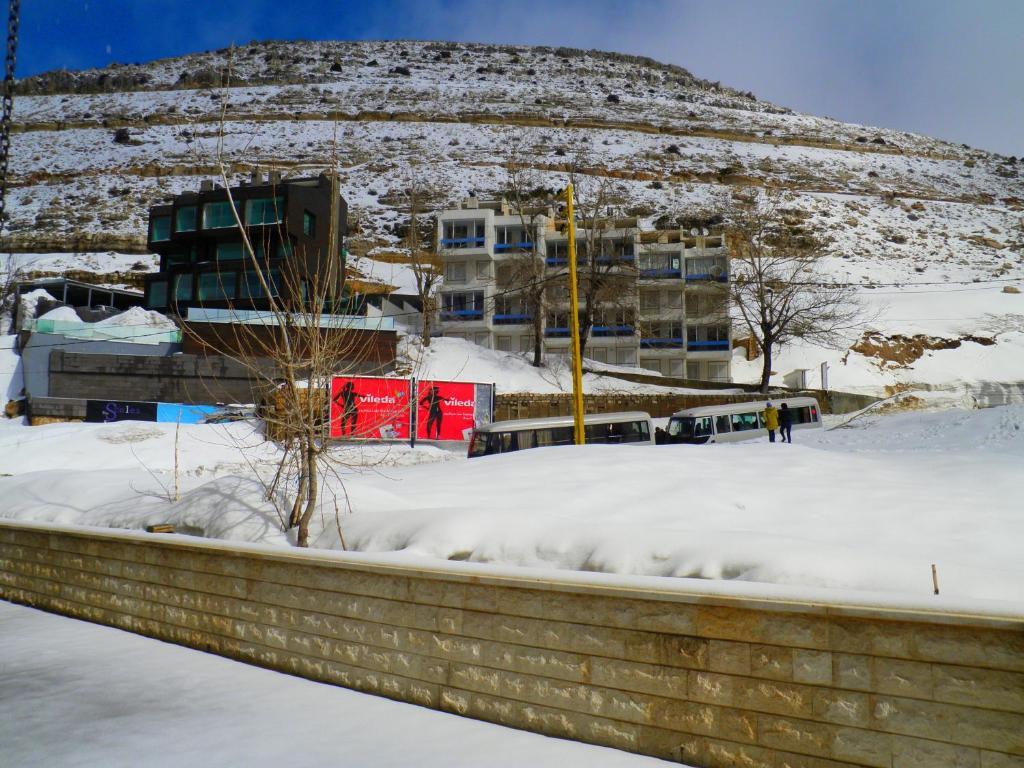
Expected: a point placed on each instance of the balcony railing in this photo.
(512, 319)
(708, 346)
(462, 242)
(662, 273)
(461, 315)
(612, 330)
(624, 259)
(668, 342)
(722, 278)
(525, 246)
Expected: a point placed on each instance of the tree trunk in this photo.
(426, 324)
(312, 483)
(766, 369)
(295, 518)
(538, 337)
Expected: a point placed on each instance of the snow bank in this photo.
(869, 506)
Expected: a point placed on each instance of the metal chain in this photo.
(8, 103)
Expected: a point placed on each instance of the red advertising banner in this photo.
(448, 410)
(370, 407)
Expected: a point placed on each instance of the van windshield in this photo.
(681, 426)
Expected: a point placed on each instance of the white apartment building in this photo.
(667, 312)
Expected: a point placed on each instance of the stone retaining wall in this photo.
(710, 680)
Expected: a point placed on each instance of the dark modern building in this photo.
(202, 259)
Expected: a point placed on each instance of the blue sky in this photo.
(949, 69)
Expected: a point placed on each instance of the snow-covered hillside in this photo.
(902, 210)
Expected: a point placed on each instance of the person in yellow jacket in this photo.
(771, 421)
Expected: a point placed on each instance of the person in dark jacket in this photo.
(786, 423)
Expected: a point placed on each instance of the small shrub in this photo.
(122, 136)
(613, 99)
(404, 71)
(673, 149)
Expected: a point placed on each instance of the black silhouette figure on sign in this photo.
(435, 415)
(349, 412)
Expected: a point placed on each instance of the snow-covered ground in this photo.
(79, 694)
(869, 506)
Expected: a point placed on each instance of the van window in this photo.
(722, 424)
(744, 421)
(702, 426)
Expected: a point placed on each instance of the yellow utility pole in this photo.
(574, 325)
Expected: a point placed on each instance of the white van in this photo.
(630, 427)
(738, 421)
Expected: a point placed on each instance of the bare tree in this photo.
(522, 279)
(607, 272)
(292, 349)
(424, 261)
(777, 286)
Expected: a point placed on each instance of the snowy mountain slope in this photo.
(901, 209)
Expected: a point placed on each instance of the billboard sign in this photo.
(449, 410)
(370, 407)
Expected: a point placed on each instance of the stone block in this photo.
(791, 735)
(1000, 760)
(727, 754)
(841, 707)
(725, 656)
(922, 753)
(633, 676)
(851, 672)
(979, 687)
(862, 747)
(771, 661)
(685, 652)
(711, 688)
(903, 678)
(773, 696)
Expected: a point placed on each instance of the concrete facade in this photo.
(668, 313)
(703, 678)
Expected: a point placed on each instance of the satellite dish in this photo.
(693, 231)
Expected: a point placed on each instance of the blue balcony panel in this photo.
(709, 277)
(707, 345)
(463, 315)
(662, 343)
(465, 241)
(513, 246)
(554, 261)
(662, 273)
(612, 330)
(556, 332)
(511, 319)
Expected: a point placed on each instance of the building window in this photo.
(526, 344)
(229, 251)
(462, 306)
(183, 287)
(650, 300)
(285, 249)
(718, 371)
(177, 257)
(161, 228)
(218, 215)
(693, 371)
(462, 234)
(185, 219)
(625, 357)
(455, 272)
(483, 270)
(650, 364)
(308, 224)
(504, 344)
(216, 286)
(251, 287)
(264, 210)
(158, 294)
